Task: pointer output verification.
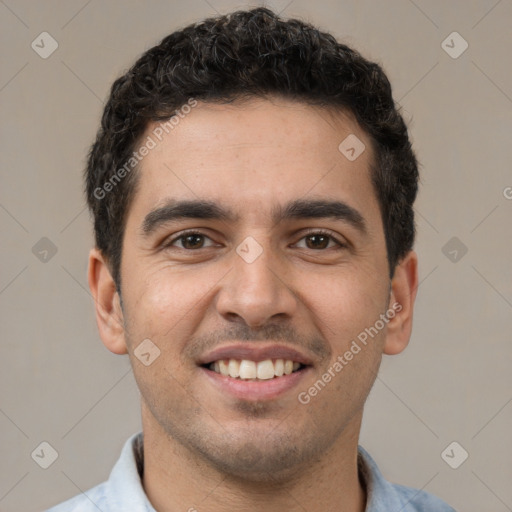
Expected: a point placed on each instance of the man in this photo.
(252, 188)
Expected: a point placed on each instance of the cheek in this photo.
(346, 303)
(164, 302)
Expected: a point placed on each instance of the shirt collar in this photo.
(381, 495)
(125, 490)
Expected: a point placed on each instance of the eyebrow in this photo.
(174, 210)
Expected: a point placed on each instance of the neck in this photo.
(177, 479)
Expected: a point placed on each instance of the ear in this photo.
(109, 315)
(401, 302)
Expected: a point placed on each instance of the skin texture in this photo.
(208, 449)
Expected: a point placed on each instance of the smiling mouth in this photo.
(246, 369)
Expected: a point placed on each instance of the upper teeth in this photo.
(246, 369)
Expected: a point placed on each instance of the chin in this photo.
(263, 461)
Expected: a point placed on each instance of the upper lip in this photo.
(254, 352)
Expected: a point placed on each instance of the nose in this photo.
(256, 292)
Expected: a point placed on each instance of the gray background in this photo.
(60, 385)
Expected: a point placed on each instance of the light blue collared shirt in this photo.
(123, 491)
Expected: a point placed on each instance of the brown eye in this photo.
(189, 241)
(319, 240)
(192, 241)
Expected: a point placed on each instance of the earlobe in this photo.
(401, 304)
(109, 315)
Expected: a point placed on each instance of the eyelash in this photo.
(310, 232)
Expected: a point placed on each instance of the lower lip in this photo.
(255, 390)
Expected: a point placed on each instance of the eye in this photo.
(319, 240)
(195, 240)
(190, 240)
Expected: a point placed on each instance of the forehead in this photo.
(255, 156)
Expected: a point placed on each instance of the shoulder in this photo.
(415, 500)
(90, 501)
(122, 491)
(383, 496)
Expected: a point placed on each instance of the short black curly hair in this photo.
(241, 55)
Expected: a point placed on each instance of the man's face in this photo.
(251, 288)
